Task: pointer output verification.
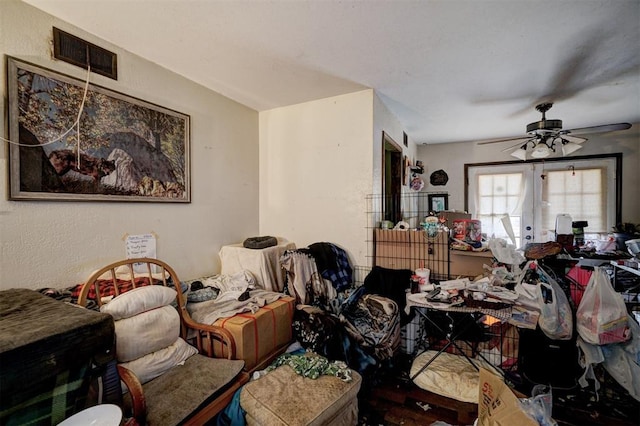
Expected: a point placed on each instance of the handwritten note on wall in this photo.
(143, 245)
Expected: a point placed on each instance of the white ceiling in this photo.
(449, 70)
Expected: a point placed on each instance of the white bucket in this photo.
(424, 273)
(563, 224)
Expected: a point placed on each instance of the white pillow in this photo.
(156, 363)
(449, 375)
(146, 332)
(138, 300)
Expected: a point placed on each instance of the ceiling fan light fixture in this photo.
(541, 150)
(520, 154)
(570, 148)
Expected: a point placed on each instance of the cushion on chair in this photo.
(146, 332)
(139, 300)
(283, 397)
(199, 380)
(153, 364)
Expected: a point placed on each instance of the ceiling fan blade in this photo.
(599, 129)
(573, 139)
(490, 141)
(518, 145)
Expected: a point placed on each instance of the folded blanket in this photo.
(240, 281)
(227, 305)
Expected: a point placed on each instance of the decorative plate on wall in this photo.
(439, 178)
(417, 183)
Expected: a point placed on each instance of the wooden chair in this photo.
(192, 393)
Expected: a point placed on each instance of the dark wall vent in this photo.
(76, 51)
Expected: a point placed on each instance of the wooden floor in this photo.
(393, 400)
(395, 403)
(391, 405)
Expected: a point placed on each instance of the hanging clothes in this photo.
(304, 282)
(391, 283)
(333, 264)
(373, 322)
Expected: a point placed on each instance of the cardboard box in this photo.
(469, 263)
(498, 405)
(258, 335)
(393, 248)
(412, 250)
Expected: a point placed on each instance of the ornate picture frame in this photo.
(75, 141)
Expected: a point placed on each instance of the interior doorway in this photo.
(391, 178)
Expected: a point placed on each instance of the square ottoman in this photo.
(261, 336)
(283, 397)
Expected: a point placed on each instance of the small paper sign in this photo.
(137, 246)
(143, 245)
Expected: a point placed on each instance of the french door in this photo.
(531, 195)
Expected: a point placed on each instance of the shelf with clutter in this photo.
(416, 230)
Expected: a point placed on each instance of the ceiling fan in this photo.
(547, 135)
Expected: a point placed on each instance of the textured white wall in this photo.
(385, 121)
(57, 244)
(452, 158)
(318, 163)
(315, 172)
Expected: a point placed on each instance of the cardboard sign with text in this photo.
(497, 404)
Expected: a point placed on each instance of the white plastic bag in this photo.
(540, 405)
(622, 361)
(602, 315)
(556, 319)
(538, 290)
(527, 288)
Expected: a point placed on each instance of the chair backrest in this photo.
(124, 275)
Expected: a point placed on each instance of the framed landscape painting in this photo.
(71, 140)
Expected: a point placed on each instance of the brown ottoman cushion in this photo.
(283, 397)
(258, 336)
